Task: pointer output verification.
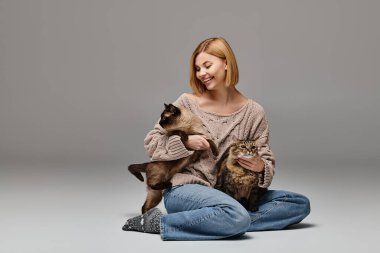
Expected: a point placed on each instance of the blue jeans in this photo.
(197, 212)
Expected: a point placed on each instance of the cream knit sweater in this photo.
(248, 123)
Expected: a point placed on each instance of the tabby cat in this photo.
(176, 121)
(236, 181)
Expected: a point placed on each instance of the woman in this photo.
(197, 211)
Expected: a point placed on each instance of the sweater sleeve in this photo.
(265, 152)
(160, 147)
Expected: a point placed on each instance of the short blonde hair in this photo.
(218, 47)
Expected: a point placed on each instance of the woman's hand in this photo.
(255, 164)
(197, 142)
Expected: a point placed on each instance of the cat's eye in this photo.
(242, 146)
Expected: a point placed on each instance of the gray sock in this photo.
(148, 222)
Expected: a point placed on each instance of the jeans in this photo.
(197, 212)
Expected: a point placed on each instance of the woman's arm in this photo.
(160, 147)
(262, 140)
(257, 129)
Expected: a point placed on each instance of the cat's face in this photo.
(245, 148)
(169, 115)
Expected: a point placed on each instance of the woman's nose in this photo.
(203, 73)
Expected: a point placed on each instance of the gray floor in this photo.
(81, 208)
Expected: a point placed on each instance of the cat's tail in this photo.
(213, 147)
(222, 159)
(136, 170)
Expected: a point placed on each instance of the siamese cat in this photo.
(176, 121)
(236, 181)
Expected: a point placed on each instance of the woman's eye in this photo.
(207, 67)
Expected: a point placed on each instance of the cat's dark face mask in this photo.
(168, 115)
(164, 120)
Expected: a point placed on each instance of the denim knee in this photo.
(305, 207)
(236, 219)
(302, 206)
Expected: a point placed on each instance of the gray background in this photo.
(82, 82)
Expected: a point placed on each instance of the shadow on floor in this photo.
(300, 226)
(237, 238)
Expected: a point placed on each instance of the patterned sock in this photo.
(149, 222)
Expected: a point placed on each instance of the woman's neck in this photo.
(222, 96)
(224, 101)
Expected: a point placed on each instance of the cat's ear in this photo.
(234, 138)
(166, 106)
(173, 109)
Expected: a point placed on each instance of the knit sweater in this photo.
(247, 123)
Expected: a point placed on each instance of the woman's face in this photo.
(210, 70)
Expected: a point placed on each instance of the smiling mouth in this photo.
(208, 80)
